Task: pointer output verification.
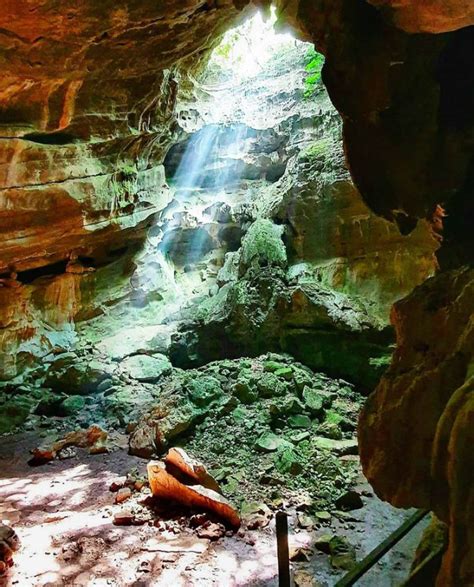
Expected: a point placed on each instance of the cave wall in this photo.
(82, 132)
(87, 113)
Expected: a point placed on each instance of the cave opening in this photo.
(196, 300)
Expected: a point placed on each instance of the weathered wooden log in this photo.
(165, 486)
(189, 470)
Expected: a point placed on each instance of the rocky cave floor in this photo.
(274, 435)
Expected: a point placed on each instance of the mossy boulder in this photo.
(343, 555)
(272, 366)
(288, 461)
(330, 430)
(15, 411)
(244, 391)
(205, 390)
(269, 442)
(314, 401)
(299, 421)
(269, 385)
(75, 376)
(285, 373)
(282, 408)
(73, 404)
(263, 246)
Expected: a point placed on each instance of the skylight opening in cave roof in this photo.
(247, 49)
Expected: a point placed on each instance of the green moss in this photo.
(14, 412)
(318, 149)
(263, 245)
(204, 391)
(333, 417)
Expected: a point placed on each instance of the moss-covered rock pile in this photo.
(268, 428)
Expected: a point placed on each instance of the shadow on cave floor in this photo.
(63, 513)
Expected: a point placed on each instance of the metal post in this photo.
(281, 520)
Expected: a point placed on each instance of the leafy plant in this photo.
(313, 68)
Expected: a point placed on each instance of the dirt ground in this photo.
(63, 513)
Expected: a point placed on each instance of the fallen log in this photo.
(165, 486)
(189, 470)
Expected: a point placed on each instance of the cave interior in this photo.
(236, 279)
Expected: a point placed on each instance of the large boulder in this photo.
(146, 368)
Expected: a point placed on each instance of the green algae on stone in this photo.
(269, 442)
(203, 391)
(263, 245)
(15, 411)
(269, 385)
(299, 421)
(73, 404)
(285, 373)
(313, 400)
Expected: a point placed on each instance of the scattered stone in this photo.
(139, 485)
(73, 404)
(198, 520)
(269, 442)
(269, 385)
(350, 500)
(41, 456)
(72, 376)
(342, 553)
(304, 503)
(285, 373)
(323, 542)
(338, 447)
(94, 438)
(211, 531)
(330, 430)
(299, 421)
(272, 366)
(303, 578)
(69, 452)
(204, 391)
(300, 436)
(123, 494)
(314, 401)
(244, 392)
(287, 461)
(125, 518)
(323, 516)
(117, 484)
(300, 554)
(305, 521)
(9, 543)
(256, 515)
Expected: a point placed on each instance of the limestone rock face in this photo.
(391, 138)
(334, 236)
(417, 425)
